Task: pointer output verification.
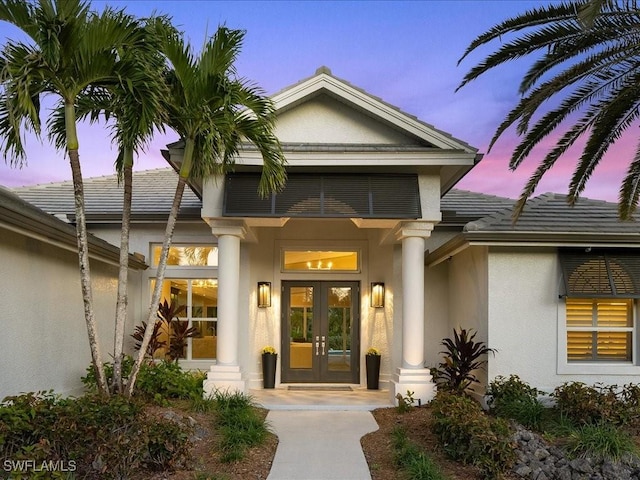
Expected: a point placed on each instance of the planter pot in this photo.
(373, 371)
(269, 362)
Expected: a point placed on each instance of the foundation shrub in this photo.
(158, 381)
(469, 435)
(514, 399)
(589, 405)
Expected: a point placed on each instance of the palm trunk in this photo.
(155, 298)
(123, 275)
(83, 248)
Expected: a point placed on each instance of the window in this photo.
(190, 282)
(320, 261)
(188, 255)
(600, 330)
(199, 297)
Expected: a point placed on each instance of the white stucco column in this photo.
(412, 302)
(228, 289)
(226, 374)
(412, 376)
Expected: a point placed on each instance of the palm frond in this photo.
(630, 189)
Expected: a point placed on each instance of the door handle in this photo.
(317, 345)
(323, 345)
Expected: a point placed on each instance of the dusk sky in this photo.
(404, 52)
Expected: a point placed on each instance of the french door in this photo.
(320, 332)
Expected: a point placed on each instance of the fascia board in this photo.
(308, 89)
(431, 158)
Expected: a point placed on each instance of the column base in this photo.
(418, 381)
(224, 378)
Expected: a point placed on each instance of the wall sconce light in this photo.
(377, 295)
(264, 294)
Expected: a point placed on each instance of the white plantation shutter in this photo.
(600, 329)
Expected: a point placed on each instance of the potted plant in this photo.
(269, 361)
(373, 368)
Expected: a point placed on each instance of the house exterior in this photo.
(369, 245)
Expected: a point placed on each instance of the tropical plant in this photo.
(461, 359)
(154, 344)
(213, 111)
(583, 85)
(70, 52)
(134, 111)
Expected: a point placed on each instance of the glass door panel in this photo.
(320, 332)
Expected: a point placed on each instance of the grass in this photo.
(600, 441)
(415, 464)
(239, 423)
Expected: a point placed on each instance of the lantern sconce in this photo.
(264, 294)
(377, 295)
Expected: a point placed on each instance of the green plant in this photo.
(469, 435)
(461, 358)
(416, 464)
(166, 380)
(105, 437)
(512, 398)
(239, 424)
(89, 380)
(179, 330)
(589, 404)
(602, 441)
(405, 403)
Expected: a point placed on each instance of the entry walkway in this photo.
(320, 445)
(319, 431)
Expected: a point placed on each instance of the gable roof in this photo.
(324, 82)
(153, 192)
(19, 216)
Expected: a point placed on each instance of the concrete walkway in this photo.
(320, 445)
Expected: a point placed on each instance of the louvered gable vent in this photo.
(326, 196)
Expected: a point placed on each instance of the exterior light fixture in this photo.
(264, 294)
(377, 295)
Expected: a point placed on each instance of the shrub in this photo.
(160, 381)
(604, 441)
(469, 435)
(239, 423)
(598, 403)
(461, 357)
(106, 438)
(512, 398)
(415, 463)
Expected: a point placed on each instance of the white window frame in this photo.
(595, 367)
(189, 273)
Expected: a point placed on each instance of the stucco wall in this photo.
(44, 338)
(262, 263)
(436, 309)
(468, 297)
(323, 119)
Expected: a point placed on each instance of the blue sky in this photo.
(404, 52)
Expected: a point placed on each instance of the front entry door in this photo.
(320, 332)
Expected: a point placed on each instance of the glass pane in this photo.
(615, 313)
(614, 346)
(320, 261)
(580, 346)
(188, 256)
(579, 312)
(301, 327)
(204, 343)
(340, 323)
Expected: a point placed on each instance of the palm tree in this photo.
(589, 61)
(137, 109)
(213, 112)
(71, 52)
